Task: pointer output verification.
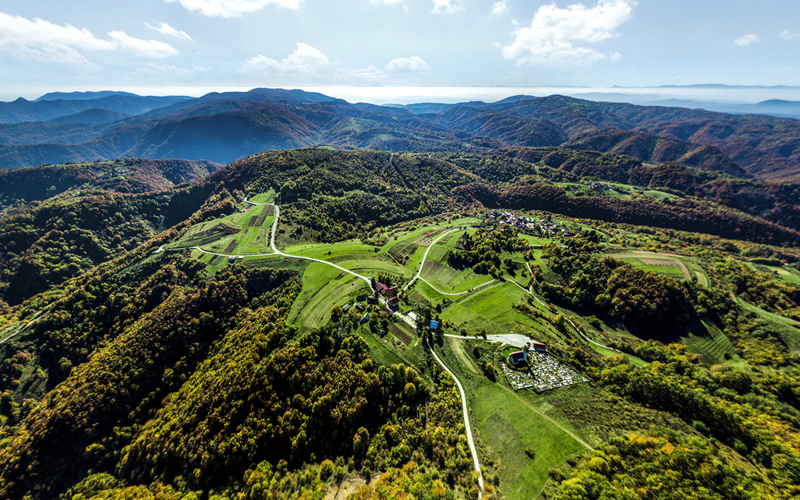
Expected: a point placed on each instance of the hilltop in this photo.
(224, 127)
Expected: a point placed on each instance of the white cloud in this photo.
(386, 1)
(745, 40)
(789, 35)
(370, 74)
(161, 72)
(499, 8)
(139, 47)
(43, 41)
(408, 64)
(166, 29)
(233, 8)
(306, 59)
(447, 6)
(550, 39)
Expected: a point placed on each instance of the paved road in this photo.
(466, 422)
(512, 339)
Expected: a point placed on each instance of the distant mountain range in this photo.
(223, 127)
(57, 105)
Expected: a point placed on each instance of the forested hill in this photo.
(224, 127)
(21, 186)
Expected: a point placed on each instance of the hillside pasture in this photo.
(505, 426)
(267, 197)
(323, 288)
(667, 264)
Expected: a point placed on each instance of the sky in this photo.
(197, 46)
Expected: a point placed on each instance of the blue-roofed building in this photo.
(434, 325)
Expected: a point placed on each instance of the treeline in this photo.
(19, 187)
(682, 214)
(616, 290)
(711, 405)
(636, 465)
(59, 239)
(772, 201)
(481, 250)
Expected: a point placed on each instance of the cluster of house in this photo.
(373, 302)
(521, 222)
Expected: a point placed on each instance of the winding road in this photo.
(470, 442)
(41, 315)
(422, 264)
(516, 340)
(275, 250)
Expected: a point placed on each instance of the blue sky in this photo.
(175, 45)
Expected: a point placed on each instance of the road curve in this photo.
(466, 422)
(275, 250)
(278, 252)
(455, 294)
(422, 264)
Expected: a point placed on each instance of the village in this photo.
(546, 228)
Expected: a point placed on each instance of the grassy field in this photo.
(504, 426)
(662, 263)
(235, 234)
(446, 278)
(615, 190)
(788, 274)
(668, 269)
(489, 308)
(267, 197)
(323, 288)
(715, 348)
(787, 329)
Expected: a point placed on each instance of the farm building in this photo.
(359, 308)
(372, 300)
(539, 347)
(394, 303)
(346, 307)
(387, 290)
(361, 298)
(364, 319)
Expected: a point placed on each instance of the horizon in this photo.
(214, 45)
(383, 95)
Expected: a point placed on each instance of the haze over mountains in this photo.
(223, 127)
